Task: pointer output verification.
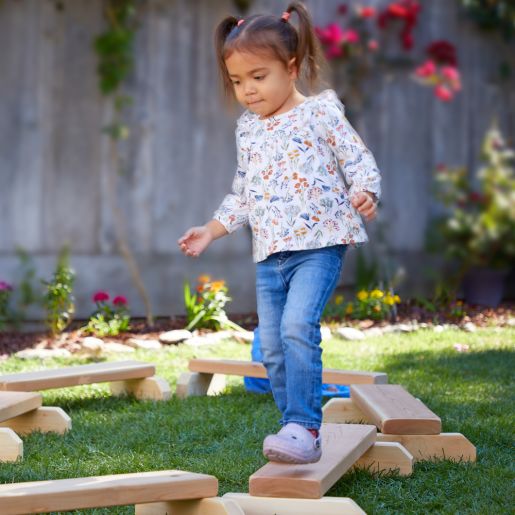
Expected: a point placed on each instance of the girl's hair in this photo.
(265, 34)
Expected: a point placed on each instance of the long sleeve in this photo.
(356, 161)
(233, 212)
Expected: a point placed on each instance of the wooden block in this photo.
(343, 411)
(151, 388)
(450, 446)
(13, 404)
(11, 446)
(193, 383)
(283, 506)
(387, 457)
(256, 369)
(211, 506)
(394, 410)
(104, 491)
(77, 375)
(46, 420)
(342, 446)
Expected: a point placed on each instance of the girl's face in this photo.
(262, 84)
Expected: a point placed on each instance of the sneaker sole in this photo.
(279, 455)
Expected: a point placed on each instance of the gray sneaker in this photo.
(293, 444)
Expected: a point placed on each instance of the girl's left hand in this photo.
(365, 204)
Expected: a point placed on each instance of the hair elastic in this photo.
(285, 16)
(240, 22)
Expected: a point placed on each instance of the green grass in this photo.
(472, 392)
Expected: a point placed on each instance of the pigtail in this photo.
(308, 47)
(222, 31)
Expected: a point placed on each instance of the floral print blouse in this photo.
(296, 174)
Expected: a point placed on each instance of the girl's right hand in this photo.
(195, 240)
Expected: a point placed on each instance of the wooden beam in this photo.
(151, 388)
(449, 446)
(342, 446)
(104, 491)
(11, 446)
(77, 375)
(394, 410)
(286, 506)
(13, 404)
(45, 419)
(211, 506)
(387, 457)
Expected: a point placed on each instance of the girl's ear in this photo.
(293, 72)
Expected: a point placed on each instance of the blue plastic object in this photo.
(257, 385)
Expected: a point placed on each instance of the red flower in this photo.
(407, 40)
(443, 93)
(367, 12)
(120, 300)
(443, 52)
(397, 10)
(342, 9)
(426, 69)
(373, 45)
(101, 296)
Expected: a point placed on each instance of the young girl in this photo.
(303, 179)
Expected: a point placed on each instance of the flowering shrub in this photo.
(479, 225)
(109, 319)
(358, 47)
(374, 304)
(205, 306)
(5, 295)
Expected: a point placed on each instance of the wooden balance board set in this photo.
(381, 427)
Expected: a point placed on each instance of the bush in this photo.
(108, 319)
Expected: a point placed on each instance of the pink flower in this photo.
(452, 75)
(367, 12)
(373, 45)
(333, 34)
(443, 93)
(350, 36)
(5, 286)
(101, 296)
(120, 300)
(342, 9)
(426, 69)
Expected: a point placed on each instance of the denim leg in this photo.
(312, 277)
(271, 298)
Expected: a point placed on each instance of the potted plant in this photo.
(478, 224)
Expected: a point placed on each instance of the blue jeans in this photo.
(292, 290)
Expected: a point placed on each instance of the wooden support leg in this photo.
(449, 446)
(11, 446)
(46, 419)
(387, 457)
(148, 389)
(286, 506)
(197, 383)
(344, 411)
(209, 506)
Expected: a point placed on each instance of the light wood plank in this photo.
(386, 457)
(77, 375)
(148, 389)
(104, 491)
(211, 506)
(342, 446)
(13, 404)
(284, 506)
(451, 446)
(11, 446)
(256, 369)
(343, 411)
(45, 419)
(394, 410)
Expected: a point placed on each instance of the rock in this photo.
(404, 328)
(470, 327)
(117, 347)
(244, 336)
(93, 344)
(388, 329)
(423, 325)
(199, 341)
(511, 322)
(373, 331)
(139, 343)
(175, 336)
(326, 333)
(438, 329)
(43, 353)
(349, 333)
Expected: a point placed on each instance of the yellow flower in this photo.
(204, 279)
(349, 309)
(459, 303)
(338, 300)
(217, 285)
(362, 295)
(389, 300)
(396, 299)
(376, 308)
(376, 294)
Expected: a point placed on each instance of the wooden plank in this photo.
(77, 375)
(13, 404)
(342, 446)
(394, 410)
(343, 411)
(256, 369)
(45, 419)
(211, 506)
(449, 446)
(387, 457)
(104, 491)
(11, 446)
(285, 506)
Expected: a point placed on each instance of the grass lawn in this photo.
(471, 391)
